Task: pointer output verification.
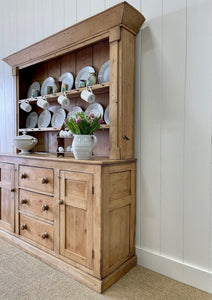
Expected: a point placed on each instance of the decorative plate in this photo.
(34, 86)
(32, 120)
(68, 79)
(104, 72)
(73, 111)
(95, 109)
(83, 75)
(49, 81)
(44, 119)
(106, 115)
(58, 118)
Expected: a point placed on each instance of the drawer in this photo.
(39, 179)
(37, 231)
(38, 204)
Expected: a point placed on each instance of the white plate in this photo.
(49, 81)
(34, 86)
(106, 115)
(73, 111)
(68, 79)
(58, 118)
(44, 119)
(83, 75)
(104, 72)
(32, 120)
(95, 109)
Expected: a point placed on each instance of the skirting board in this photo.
(188, 274)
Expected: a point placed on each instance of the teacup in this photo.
(88, 95)
(25, 106)
(63, 100)
(43, 103)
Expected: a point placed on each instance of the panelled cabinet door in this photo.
(7, 196)
(76, 217)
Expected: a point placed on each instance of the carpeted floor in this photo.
(23, 277)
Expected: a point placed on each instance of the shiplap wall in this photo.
(173, 121)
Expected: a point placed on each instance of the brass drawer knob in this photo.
(44, 180)
(23, 201)
(60, 201)
(44, 207)
(23, 226)
(44, 235)
(23, 175)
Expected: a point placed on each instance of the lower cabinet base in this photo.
(90, 281)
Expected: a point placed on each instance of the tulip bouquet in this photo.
(84, 124)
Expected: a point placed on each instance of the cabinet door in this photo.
(7, 196)
(76, 217)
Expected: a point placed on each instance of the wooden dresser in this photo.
(77, 215)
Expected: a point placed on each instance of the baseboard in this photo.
(188, 274)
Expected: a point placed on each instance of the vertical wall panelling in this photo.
(70, 7)
(6, 77)
(29, 22)
(210, 237)
(58, 15)
(198, 133)
(39, 19)
(138, 66)
(83, 10)
(110, 3)
(47, 7)
(96, 6)
(151, 124)
(172, 132)
(20, 23)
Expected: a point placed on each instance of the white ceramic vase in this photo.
(83, 145)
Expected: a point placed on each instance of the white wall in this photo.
(173, 121)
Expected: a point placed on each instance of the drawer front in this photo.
(37, 231)
(38, 204)
(39, 179)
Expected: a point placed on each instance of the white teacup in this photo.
(43, 103)
(63, 100)
(26, 106)
(88, 95)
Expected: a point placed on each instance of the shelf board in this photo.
(97, 88)
(39, 129)
(103, 126)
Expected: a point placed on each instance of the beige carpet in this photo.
(25, 277)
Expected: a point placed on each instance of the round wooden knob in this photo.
(44, 180)
(60, 201)
(23, 201)
(44, 235)
(44, 207)
(12, 190)
(23, 226)
(23, 175)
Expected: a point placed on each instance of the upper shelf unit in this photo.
(109, 35)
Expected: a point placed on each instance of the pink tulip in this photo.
(78, 120)
(100, 121)
(92, 116)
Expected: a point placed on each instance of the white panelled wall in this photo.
(173, 121)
